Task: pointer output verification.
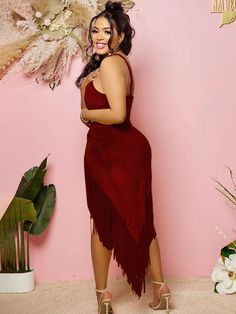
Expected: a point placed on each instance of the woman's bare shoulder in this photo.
(113, 61)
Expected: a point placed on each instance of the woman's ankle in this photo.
(103, 296)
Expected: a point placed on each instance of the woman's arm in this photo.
(82, 92)
(83, 106)
(114, 86)
(83, 85)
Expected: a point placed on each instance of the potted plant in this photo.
(29, 212)
(224, 272)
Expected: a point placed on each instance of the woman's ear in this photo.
(122, 36)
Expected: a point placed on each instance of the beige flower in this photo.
(224, 274)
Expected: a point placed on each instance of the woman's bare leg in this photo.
(155, 269)
(101, 257)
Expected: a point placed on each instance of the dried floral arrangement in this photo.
(228, 17)
(44, 35)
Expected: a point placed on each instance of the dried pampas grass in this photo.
(44, 35)
(12, 52)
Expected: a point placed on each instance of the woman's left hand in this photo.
(86, 122)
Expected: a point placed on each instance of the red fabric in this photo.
(117, 164)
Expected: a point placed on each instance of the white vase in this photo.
(17, 282)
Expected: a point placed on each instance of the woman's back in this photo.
(95, 99)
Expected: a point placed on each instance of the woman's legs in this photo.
(155, 269)
(155, 261)
(101, 257)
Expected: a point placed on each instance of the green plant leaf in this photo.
(19, 210)
(32, 181)
(44, 205)
(226, 251)
(215, 287)
(28, 176)
(11, 232)
(232, 245)
(30, 210)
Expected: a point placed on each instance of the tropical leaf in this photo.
(19, 210)
(44, 205)
(13, 257)
(226, 251)
(31, 215)
(32, 181)
(228, 17)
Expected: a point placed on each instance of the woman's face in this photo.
(101, 33)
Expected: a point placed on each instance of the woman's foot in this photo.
(105, 295)
(104, 301)
(161, 292)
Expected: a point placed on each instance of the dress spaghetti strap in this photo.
(130, 72)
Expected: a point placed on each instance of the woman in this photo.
(117, 164)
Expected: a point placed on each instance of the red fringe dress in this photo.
(117, 165)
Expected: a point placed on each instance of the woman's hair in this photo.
(117, 19)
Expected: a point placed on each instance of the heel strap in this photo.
(162, 286)
(158, 282)
(102, 291)
(101, 300)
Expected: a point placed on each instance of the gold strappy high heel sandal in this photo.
(104, 305)
(164, 299)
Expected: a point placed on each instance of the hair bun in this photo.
(114, 6)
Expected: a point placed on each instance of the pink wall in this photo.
(184, 67)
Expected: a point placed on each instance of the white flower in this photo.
(45, 36)
(38, 14)
(47, 22)
(19, 23)
(224, 274)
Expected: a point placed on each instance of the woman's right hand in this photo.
(90, 77)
